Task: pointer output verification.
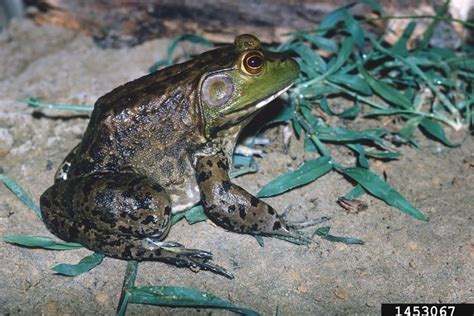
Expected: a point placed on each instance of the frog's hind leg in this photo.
(125, 216)
(232, 207)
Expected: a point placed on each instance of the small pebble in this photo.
(6, 142)
(51, 308)
(103, 299)
(341, 293)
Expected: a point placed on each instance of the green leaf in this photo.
(20, 193)
(260, 240)
(353, 82)
(176, 217)
(293, 240)
(441, 11)
(354, 28)
(297, 127)
(400, 46)
(334, 17)
(378, 112)
(251, 167)
(239, 160)
(309, 59)
(361, 159)
(324, 105)
(128, 282)
(350, 113)
(308, 172)
(410, 126)
(309, 145)
(40, 242)
(419, 73)
(158, 65)
(464, 62)
(385, 91)
(357, 191)
(306, 110)
(436, 130)
(372, 153)
(35, 103)
(321, 148)
(421, 60)
(382, 190)
(317, 91)
(85, 265)
(374, 5)
(323, 232)
(182, 297)
(283, 116)
(277, 311)
(123, 304)
(382, 155)
(195, 214)
(339, 134)
(342, 57)
(322, 42)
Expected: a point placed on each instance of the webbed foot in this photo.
(195, 259)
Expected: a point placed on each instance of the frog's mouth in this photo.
(259, 104)
(251, 109)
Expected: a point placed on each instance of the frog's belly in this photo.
(177, 176)
(184, 196)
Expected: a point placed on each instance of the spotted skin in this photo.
(136, 164)
(233, 208)
(123, 216)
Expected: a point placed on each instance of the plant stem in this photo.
(128, 282)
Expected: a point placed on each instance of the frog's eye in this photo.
(253, 63)
(217, 89)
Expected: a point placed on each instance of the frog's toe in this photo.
(206, 265)
(192, 253)
(292, 229)
(195, 259)
(198, 260)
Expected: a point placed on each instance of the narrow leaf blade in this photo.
(386, 91)
(182, 297)
(85, 265)
(382, 190)
(436, 130)
(308, 172)
(195, 214)
(40, 242)
(20, 193)
(323, 232)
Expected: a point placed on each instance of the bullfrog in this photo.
(162, 143)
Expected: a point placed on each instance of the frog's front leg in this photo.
(122, 215)
(233, 208)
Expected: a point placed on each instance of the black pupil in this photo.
(255, 61)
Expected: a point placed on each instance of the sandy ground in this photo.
(403, 260)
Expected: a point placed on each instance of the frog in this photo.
(163, 143)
